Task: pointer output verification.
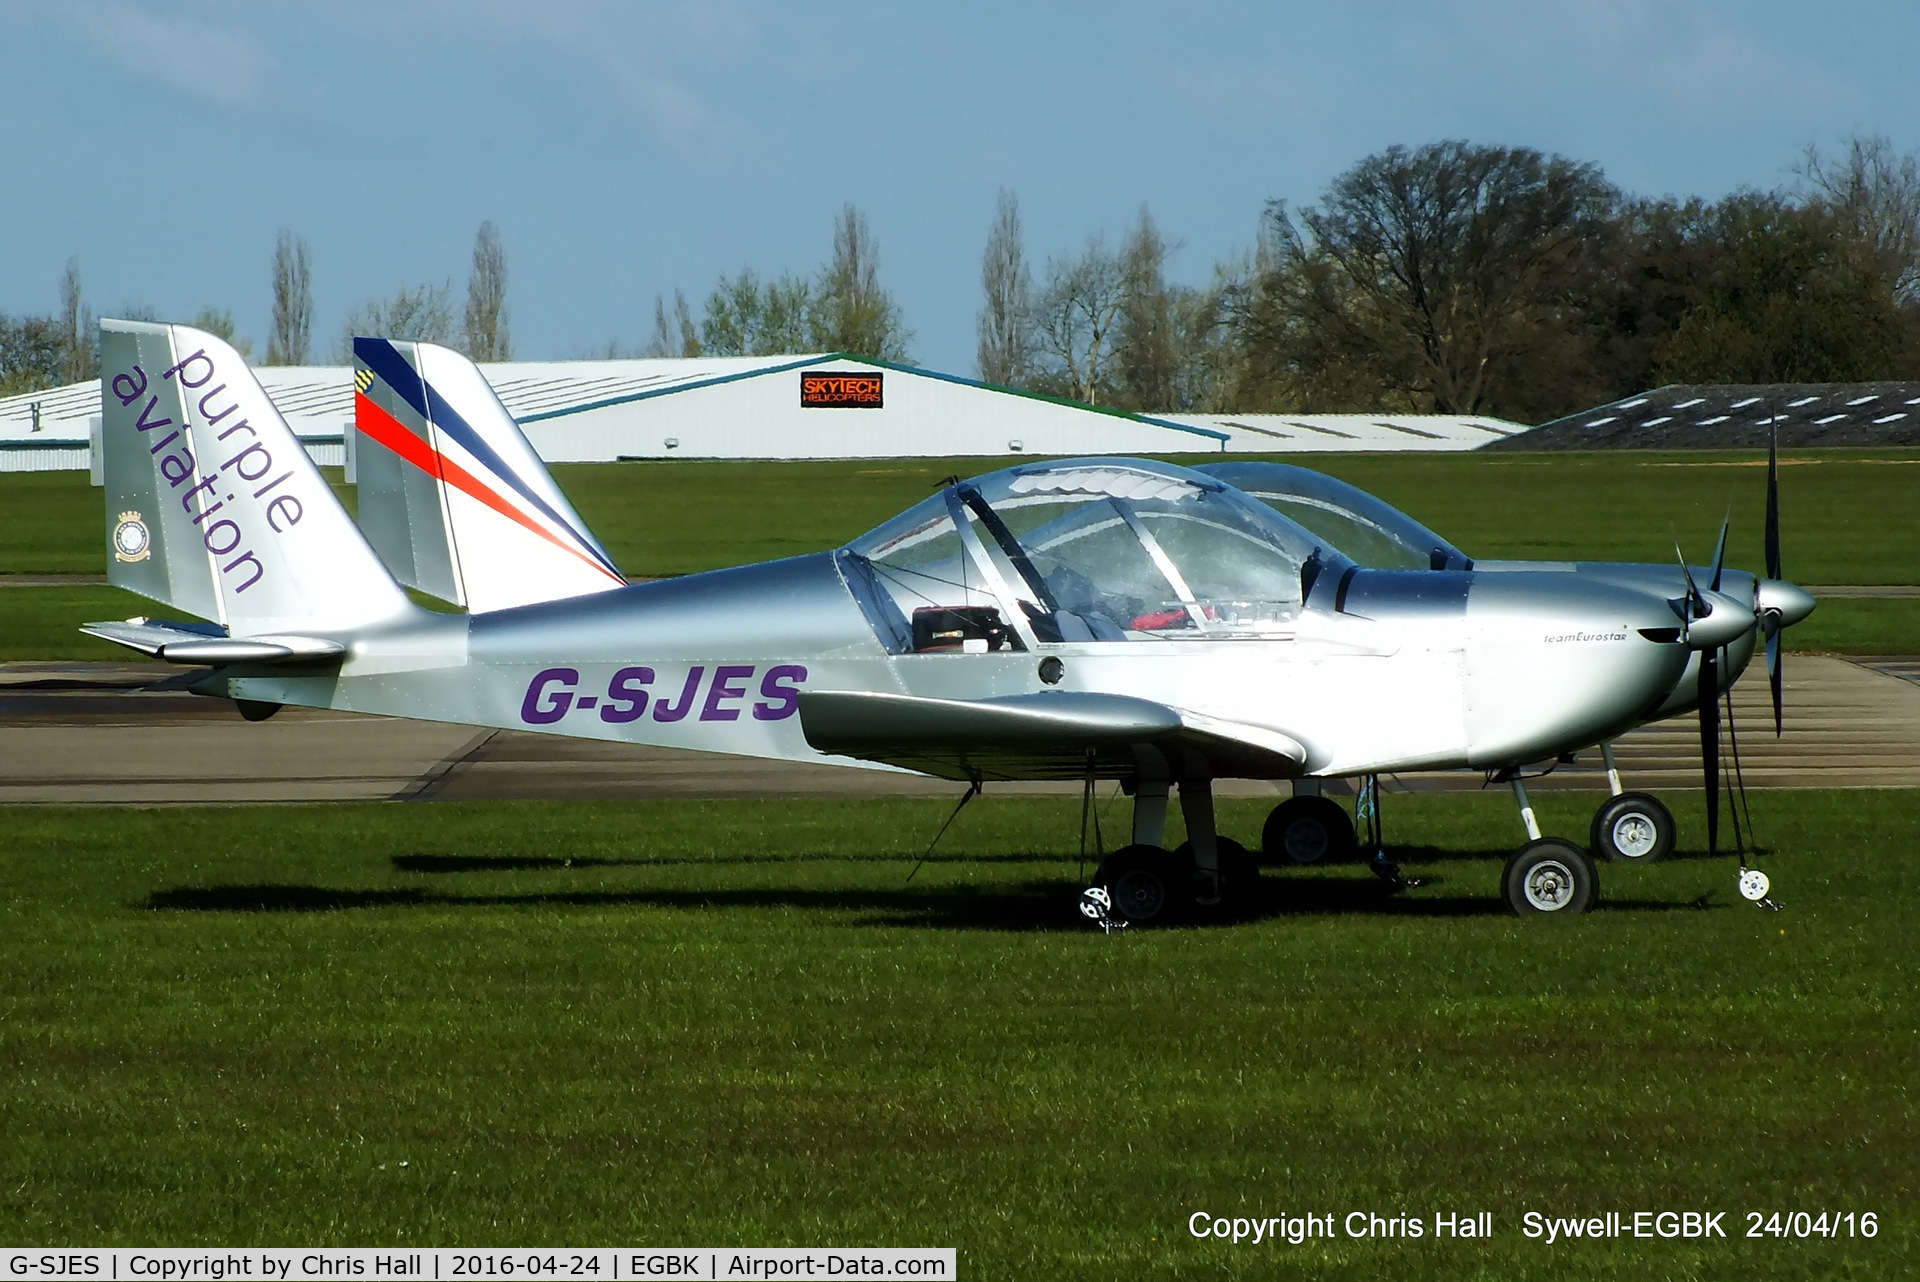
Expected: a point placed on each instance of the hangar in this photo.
(769, 407)
(1738, 415)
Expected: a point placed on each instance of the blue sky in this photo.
(625, 149)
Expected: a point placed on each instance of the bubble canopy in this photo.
(1084, 550)
(1371, 531)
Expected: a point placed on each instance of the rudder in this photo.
(452, 495)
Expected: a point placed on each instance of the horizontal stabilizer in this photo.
(1050, 735)
(207, 644)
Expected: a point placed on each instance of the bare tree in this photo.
(849, 312)
(1075, 318)
(423, 315)
(1209, 374)
(1877, 191)
(486, 328)
(1147, 349)
(78, 352)
(291, 342)
(674, 334)
(1006, 333)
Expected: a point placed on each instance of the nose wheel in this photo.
(1632, 828)
(1550, 877)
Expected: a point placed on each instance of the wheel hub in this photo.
(1634, 835)
(1549, 886)
(1306, 841)
(1139, 895)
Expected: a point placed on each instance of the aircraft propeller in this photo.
(1777, 606)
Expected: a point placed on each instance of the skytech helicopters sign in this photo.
(839, 390)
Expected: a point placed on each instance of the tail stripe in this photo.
(390, 366)
(390, 432)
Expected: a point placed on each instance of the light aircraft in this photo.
(1089, 619)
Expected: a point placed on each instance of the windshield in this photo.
(1371, 532)
(1086, 550)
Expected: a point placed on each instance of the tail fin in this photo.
(212, 504)
(452, 495)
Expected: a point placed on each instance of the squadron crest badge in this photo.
(131, 542)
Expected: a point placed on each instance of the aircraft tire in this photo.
(1148, 884)
(1308, 830)
(1239, 870)
(1551, 877)
(1632, 828)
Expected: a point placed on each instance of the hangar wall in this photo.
(920, 414)
(752, 407)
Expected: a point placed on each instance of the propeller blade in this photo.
(1775, 659)
(1694, 600)
(1773, 496)
(1708, 703)
(1776, 666)
(1720, 551)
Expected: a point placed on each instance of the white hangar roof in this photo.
(752, 407)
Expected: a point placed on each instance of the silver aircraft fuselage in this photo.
(1400, 670)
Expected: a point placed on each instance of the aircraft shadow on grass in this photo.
(554, 863)
(1031, 906)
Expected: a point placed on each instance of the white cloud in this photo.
(215, 64)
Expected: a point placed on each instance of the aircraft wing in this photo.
(1042, 736)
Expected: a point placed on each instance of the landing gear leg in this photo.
(1150, 811)
(1613, 768)
(1225, 873)
(1196, 806)
(1526, 808)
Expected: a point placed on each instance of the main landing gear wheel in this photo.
(1239, 870)
(1147, 883)
(1550, 876)
(1308, 830)
(1633, 827)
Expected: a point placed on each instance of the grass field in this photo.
(1849, 516)
(740, 1023)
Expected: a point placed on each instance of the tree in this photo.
(1006, 333)
(291, 342)
(31, 351)
(1074, 320)
(746, 318)
(1208, 374)
(486, 323)
(1146, 352)
(78, 336)
(1758, 289)
(422, 315)
(675, 334)
(849, 312)
(1439, 276)
(1876, 193)
(216, 321)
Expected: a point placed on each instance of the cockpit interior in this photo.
(1090, 550)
